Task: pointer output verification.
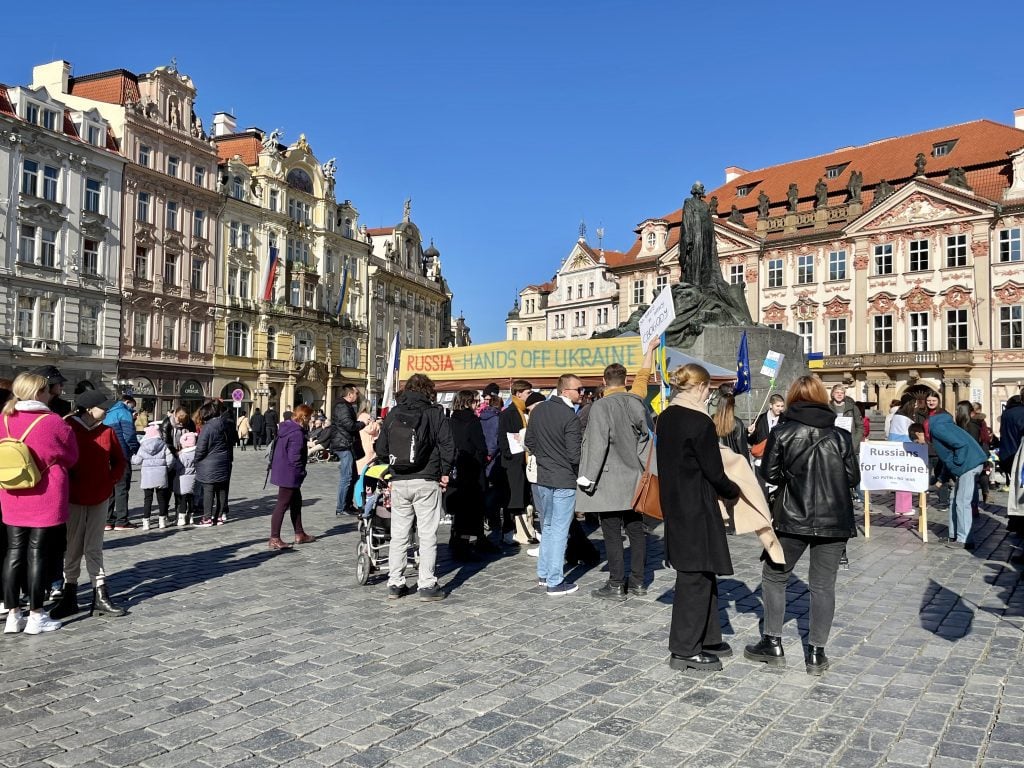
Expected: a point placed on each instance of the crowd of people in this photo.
(507, 475)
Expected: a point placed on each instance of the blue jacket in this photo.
(120, 419)
(1011, 427)
(958, 450)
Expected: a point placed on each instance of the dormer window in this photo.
(92, 134)
(32, 113)
(743, 191)
(835, 171)
(943, 148)
(237, 189)
(49, 120)
(652, 239)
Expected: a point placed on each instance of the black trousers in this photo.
(117, 513)
(215, 498)
(163, 498)
(611, 528)
(695, 622)
(26, 560)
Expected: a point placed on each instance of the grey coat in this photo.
(615, 447)
(155, 458)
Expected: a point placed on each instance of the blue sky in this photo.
(508, 123)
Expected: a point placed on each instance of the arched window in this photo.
(299, 179)
(238, 339)
(237, 188)
(305, 347)
(349, 354)
(271, 343)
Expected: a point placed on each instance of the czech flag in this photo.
(268, 286)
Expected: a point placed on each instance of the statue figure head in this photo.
(697, 190)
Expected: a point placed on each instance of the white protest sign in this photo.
(888, 466)
(657, 318)
(772, 364)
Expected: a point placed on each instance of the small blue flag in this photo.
(742, 367)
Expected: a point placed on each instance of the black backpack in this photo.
(410, 440)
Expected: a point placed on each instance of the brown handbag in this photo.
(757, 449)
(647, 499)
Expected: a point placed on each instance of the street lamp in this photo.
(124, 386)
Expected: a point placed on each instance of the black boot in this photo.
(768, 651)
(817, 661)
(611, 591)
(68, 604)
(102, 604)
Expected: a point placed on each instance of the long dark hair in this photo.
(465, 399)
(725, 413)
(963, 413)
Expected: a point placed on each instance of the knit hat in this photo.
(188, 440)
(153, 430)
(492, 390)
(534, 398)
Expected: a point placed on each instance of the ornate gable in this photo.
(775, 313)
(805, 308)
(1010, 292)
(838, 307)
(881, 303)
(915, 204)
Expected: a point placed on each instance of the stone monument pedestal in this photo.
(719, 344)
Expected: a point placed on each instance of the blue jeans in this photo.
(960, 505)
(556, 506)
(346, 463)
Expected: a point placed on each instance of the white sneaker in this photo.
(162, 521)
(145, 523)
(181, 521)
(40, 622)
(533, 551)
(15, 622)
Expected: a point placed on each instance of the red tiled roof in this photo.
(981, 150)
(378, 231)
(69, 125)
(246, 145)
(980, 144)
(5, 102)
(118, 86)
(547, 287)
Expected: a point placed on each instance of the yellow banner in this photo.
(522, 359)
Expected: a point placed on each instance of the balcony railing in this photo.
(938, 358)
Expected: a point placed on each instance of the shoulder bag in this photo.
(647, 499)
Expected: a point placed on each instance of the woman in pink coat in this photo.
(32, 514)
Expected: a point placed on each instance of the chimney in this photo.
(734, 172)
(223, 124)
(53, 77)
(1018, 118)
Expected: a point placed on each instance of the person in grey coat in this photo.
(616, 443)
(156, 459)
(843, 407)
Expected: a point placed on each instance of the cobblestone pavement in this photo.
(235, 656)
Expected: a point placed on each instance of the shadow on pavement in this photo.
(944, 613)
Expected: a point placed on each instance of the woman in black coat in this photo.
(214, 460)
(258, 425)
(465, 494)
(813, 464)
(691, 481)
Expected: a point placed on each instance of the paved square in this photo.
(233, 655)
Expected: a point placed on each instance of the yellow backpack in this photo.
(18, 470)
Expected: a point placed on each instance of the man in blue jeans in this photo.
(554, 436)
(345, 442)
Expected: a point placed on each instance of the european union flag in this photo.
(742, 367)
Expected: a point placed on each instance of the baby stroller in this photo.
(372, 493)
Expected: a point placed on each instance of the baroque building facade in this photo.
(286, 335)
(170, 207)
(408, 296)
(898, 262)
(60, 220)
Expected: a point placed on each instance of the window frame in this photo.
(919, 331)
(961, 338)
(882, 256)
(919, 251)
(838, 336)
(956, 251)
(1011, 326)
(837, 265)
(882, 327)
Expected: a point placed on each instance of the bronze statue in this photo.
(919, 164)
(735, 217)
(762, 205)
(957, 178)
(793, 196)
(854, 186)
(820, 194)
(713, 205)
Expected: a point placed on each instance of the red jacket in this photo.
(100, 464)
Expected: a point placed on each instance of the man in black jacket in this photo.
(418, 477)
(344, 440)
(554, 437)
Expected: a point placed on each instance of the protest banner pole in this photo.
(922, 500)
(867, 514)
(662, 354)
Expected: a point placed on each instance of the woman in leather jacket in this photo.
(813, 464)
